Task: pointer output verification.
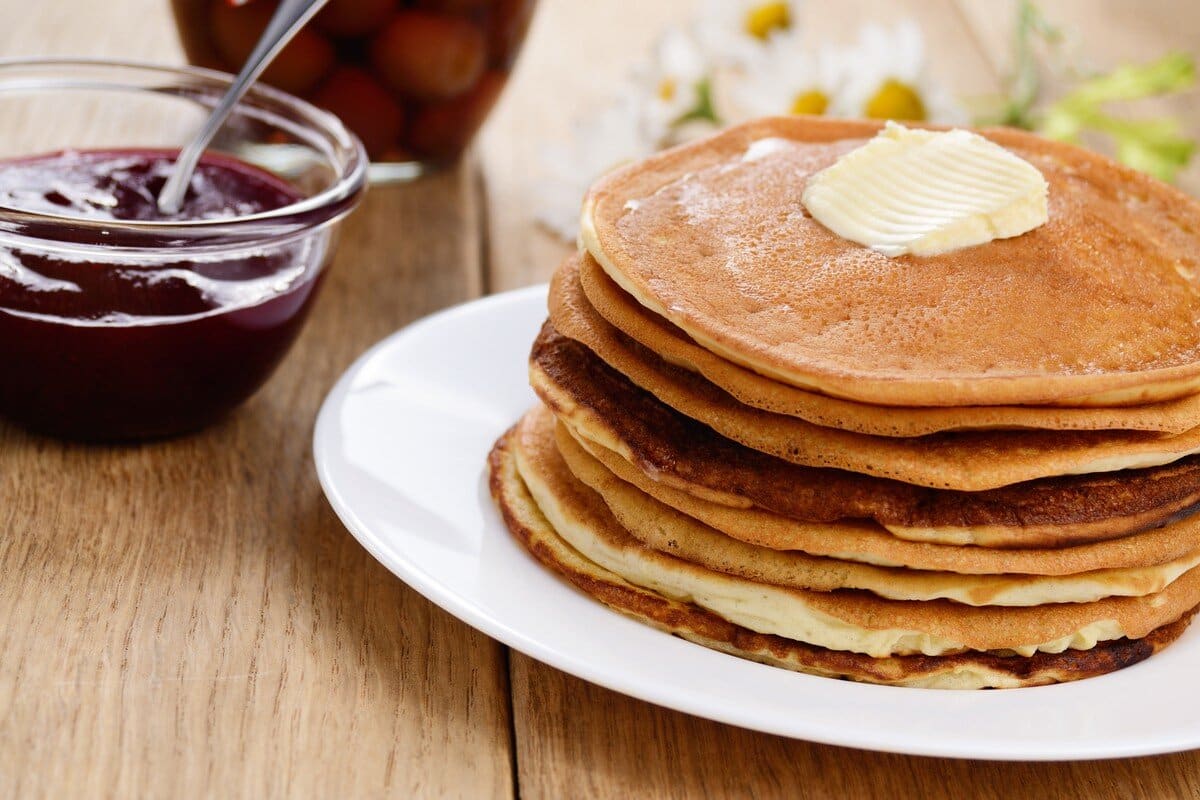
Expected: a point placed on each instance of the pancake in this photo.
(968, 461)
(565, 374)
(601, 401)
(749, 388)
(661, 528)
(842, 620)
(1096, 307)
(688, 621)
(960, 671)
(869, 544)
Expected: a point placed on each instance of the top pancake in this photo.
(1096, 307)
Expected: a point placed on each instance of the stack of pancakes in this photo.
(975, 469)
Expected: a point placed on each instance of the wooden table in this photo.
(189, 619)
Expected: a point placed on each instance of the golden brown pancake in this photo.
(961, 671)
(661, 528)
(866, 543)
(675, 449)
(840, 620)
(691, 456)
(1096, 307)
(749, 388)
(969, 460)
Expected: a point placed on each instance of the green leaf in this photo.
(1173, 72)
(705, 110)
(1156, 146)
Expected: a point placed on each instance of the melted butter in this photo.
(927, 192)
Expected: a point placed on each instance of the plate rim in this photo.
(468, 612)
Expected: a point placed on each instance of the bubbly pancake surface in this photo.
(654, 333)
(1096, 307)
(960, 671)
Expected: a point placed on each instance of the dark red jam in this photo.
(109, 343)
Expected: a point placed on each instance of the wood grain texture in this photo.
(574, 739)
(189, 618)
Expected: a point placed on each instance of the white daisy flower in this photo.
(673, 83)
(786, 78)
(891, 79)
(732, 31)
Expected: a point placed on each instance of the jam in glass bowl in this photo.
(415, 79)
(120, 323)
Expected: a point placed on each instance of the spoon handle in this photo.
(289, 17)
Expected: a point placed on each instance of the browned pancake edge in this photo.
(688, 455)
(530, 528)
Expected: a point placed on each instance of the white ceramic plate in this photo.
(400, 446)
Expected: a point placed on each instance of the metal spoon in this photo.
(289, 18)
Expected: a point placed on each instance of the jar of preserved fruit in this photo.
(415, 79)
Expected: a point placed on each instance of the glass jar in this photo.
(415, 79)
(121, 329)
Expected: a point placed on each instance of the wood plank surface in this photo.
(574, 739)
(189, 618)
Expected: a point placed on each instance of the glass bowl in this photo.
(415, 79)
(126, 329)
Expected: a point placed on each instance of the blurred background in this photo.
(547, 135)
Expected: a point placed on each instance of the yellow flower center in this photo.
(666, 89)
(896, 100)
(765, 18)
(814, 101)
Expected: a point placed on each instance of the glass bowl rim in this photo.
(336, 200)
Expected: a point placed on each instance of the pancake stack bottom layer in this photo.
(936, 510)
